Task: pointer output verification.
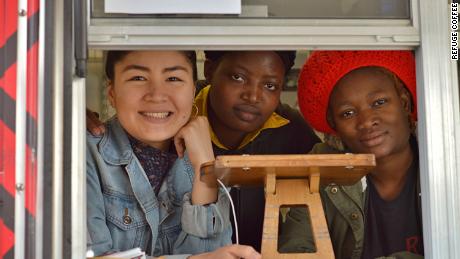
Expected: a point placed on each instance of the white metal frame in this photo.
(57, 211)
(20, 127)
(249, 34)
(439, 132)
(292, 34)
(40, 133)
(438, 94)
(78, 170)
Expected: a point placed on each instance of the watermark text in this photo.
(454, 34)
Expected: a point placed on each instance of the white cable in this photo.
(233, 211)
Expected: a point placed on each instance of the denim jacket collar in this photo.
(114, 147)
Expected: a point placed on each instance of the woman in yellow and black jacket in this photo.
(242, 103)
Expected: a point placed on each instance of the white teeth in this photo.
(156, 115)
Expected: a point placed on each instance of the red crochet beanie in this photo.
(324, 69)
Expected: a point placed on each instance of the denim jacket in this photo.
(123, 211)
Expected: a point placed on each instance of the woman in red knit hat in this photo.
(366, 99)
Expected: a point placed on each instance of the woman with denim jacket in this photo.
(139, 192)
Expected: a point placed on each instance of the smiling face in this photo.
(369, 115)
(152, 93)
(246, 88)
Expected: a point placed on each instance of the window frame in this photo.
(437, 83)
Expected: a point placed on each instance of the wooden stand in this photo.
(292, 180)
(294, 192)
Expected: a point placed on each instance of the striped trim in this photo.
(8, 56)
(9, 115)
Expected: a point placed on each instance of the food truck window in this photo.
(416, 25)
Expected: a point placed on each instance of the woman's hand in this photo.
(93, 124)
(195, 137)
(230, 252)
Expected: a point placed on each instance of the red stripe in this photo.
(9, 19)
(33, 6)
(31, 182)
(8, 158)
(32, 95)
(7, 155)
(2, 23)
(32, 79)
(2, 154)
(7, 238)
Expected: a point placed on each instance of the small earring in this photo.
(194, 111)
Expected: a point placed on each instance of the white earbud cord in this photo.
(233, 211)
